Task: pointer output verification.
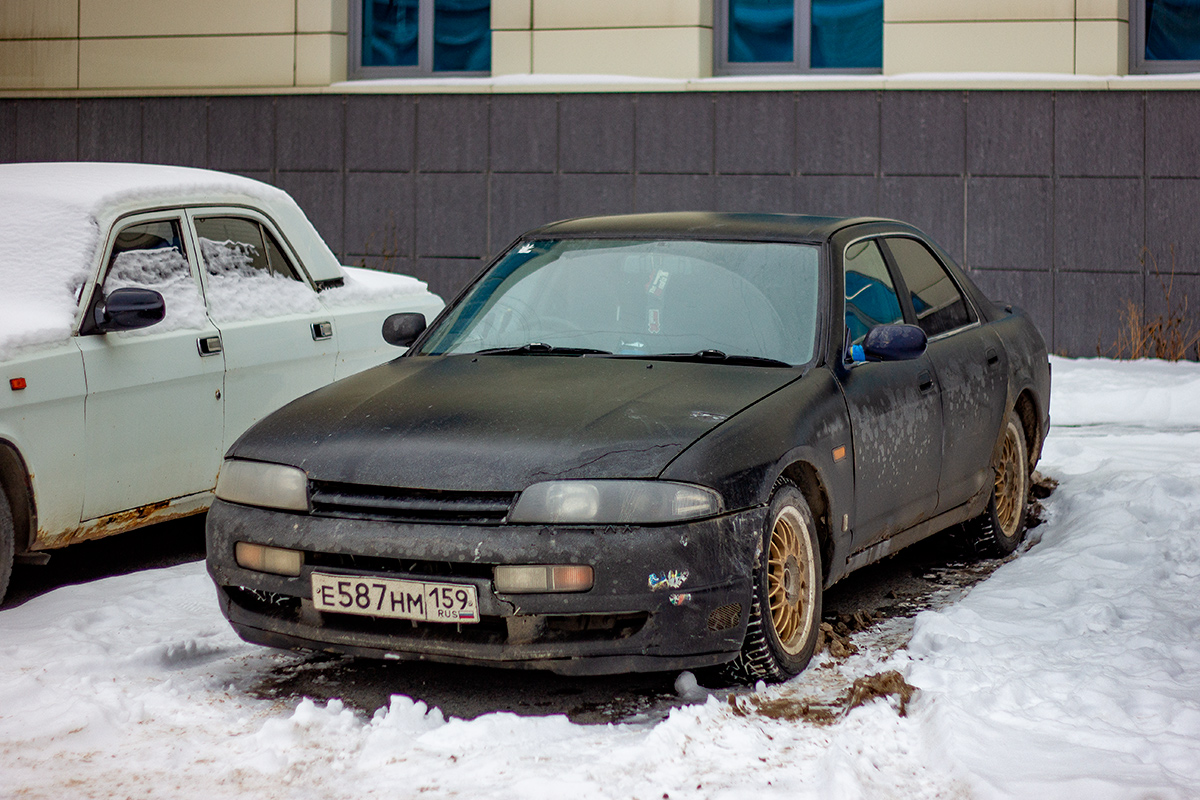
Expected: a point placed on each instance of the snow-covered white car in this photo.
(148, 316)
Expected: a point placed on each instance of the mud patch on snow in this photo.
(816, 711)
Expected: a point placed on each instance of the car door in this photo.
(153, 413)
(279, 340)
(894, 407)
(969, 362)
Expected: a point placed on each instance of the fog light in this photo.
(539, 578)
(261, 558)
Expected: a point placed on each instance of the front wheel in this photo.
(1001, 526)
(785, 607)
(7, 543)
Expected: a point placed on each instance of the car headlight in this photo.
(610, 501)
(255, 483)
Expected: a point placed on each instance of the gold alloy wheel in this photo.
(791, 581)
(1010, 481)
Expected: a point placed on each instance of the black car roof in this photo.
(705, 224)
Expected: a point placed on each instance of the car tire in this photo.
(7, 543)
(785, 606)
(1001, 527)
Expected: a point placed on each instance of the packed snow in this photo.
(1073, 671)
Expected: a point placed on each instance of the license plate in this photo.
(396, 599)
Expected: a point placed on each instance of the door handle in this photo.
(209, 345)
(992, 356)
(322, 330)
(924, 380)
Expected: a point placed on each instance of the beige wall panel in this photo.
(38, 19)
(231, 61)
(320, 59)
(512, 15)
(973, 10)
(643, 52)
(43, 64)
(978, 47)
(620, 13)
(322, 16)
(184, 17)
(512, 52)
(1102, 9)
(1101, 48)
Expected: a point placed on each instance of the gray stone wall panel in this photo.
(1010, 133)
(1010, 223)
(1099, 224)
(175, 131)
(380, 133)
(674, 133)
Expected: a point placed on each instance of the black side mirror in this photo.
(403, 329)
(894, 343)
(128, 310)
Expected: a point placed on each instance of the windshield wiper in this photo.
(538, 348)
(717, 356)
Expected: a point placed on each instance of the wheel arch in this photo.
(1029, 412)
(808, 480)
(16, 483)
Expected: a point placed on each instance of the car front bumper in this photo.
(664, 597)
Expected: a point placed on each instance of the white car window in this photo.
(249, 276)
(151, 255)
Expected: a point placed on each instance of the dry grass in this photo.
(1171, 335)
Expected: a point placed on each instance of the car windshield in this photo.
(659, 298)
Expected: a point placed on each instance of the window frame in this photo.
(801, 48)
(910, 313)
(424, 65)
(1138, 63)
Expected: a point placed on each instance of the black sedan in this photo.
(640, 442)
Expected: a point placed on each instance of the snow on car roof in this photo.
(52, 217)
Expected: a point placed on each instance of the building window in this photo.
(410, 38)
(1164, 35)
(773, 36)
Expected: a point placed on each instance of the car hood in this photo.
(501, 423)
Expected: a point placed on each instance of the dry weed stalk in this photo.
(1171, 335)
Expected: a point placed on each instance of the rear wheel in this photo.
(785, 608)
(1001, 526)
(7, 543)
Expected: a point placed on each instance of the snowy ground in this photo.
(1074, 671)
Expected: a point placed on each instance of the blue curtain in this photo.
(847, 34)
(389, 33)
(1172, 30)
(761, 30)
(462, 36)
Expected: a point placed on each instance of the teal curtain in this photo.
(1172, 30)
(847, 34)
(761, 30)
(389, 33)
(462, 36)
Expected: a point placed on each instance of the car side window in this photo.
(242, 246)
(152, 255)
(936, 299)
(870, 293)
(248, 275)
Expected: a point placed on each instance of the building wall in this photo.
(161, 44)
(1052, 200)
(1088, 37)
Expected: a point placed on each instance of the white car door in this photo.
(280, 341)
(153, 414)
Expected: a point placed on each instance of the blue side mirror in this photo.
(892, 343)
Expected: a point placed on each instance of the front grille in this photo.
(725, 617)
(409, 505)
